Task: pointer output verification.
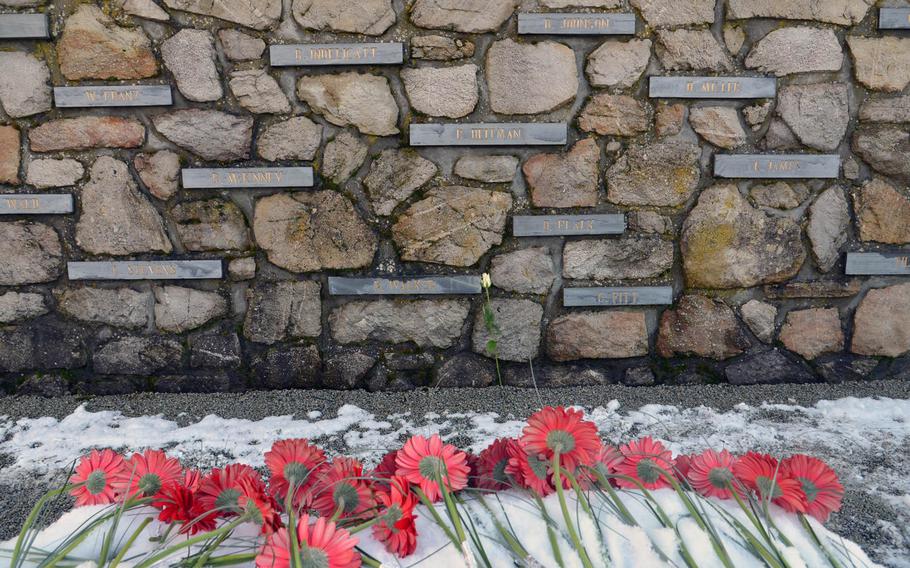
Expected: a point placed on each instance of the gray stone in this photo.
(159, 172)
(661, 174)
(797, 49)
(215, 382)
(24, 88)
(93, 46)
(32, 253)
(10, 154)
(779, 136)
(650, 222)
(116, 219)
(48, 345)
(525, 271)
(886, 149)
(517, 334)
(145, 9)
(215, 351)
(734, 38)
(470, 16)
(42, 384)
(466, 370)
(449, 92)
(881, 63)
(258, 92)
(452, 225)
(242, 269)
(813, 332)
(843, 368)
(565, 180)
(440, 48)
(718, 125)
(691, 50)
(343, 156)
(211, 225)
(761, 318)
(347, 370)
(210, 134)
(54, 173)
(829, 227)
(280, 311)
(702, 327)
(670, 119)
(427, 323)
(86, 132)
(817, 114)
(881, 326)
(780, 195)
(756, 114)
(617, 259)
(259, 15)
(16, 306)
(530, 78)
(768, 367)
(289, 367)
(120, 307)
(352, 99)
(890, 109)
(840, 12)
(394, 176)
(639, 377)
(297, 138)
(811, 289)
(487, 169)
(615, 115)
(597, 335)
(239, 46)
(882, 213)
(136, 355)
(618, 64)
(190, 56)
(179, 309)
(369, 17)
(670, 13)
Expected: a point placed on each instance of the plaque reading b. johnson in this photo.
(145, 270)
(113, 96)
(576, 24)
(641, 296)
(878, 264)
(419, 285)
(24, 26)
(239, 178)
(567, 225)
(777, 166)
(322, 54)
(35, 204)
(712, 87)
(490, 134)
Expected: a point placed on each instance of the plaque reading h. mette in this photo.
(712, 87)
(245, 178)
(24, 26)
(113, 96)
(770, 166)
(878, 264)
(402, 286)
(567, 225)
(36, 204)
(490, 134)
(323, 54)
(145, 270)
(576, 24)
(627, 296)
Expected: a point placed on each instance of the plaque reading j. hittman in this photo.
(894, 19)
(643, 296)
(713, 87)
(776, 166)
(322, 54)
(418, 285)
(113, 96)
(882, 264)
(24, 26)
(567, 225)
(239, 178)
(35, 204)
(576, 24)
(145, 270)
(490, 134)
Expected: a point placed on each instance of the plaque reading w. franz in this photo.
(642, 296)
(894, 19)
(576, 24)
(145, 270)
(712, 87)
(35, 204)
(777, 166)
(880, 264)
(322, 54)
(567, 225)
(419, 285)
(24, 26)
(490, 134)
(113, 96)
(245, 178)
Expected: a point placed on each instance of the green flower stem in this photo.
(232, 559)
(818, 541)
(369, 560)
(365, 525)
(292, 534)
(32, 519)
(551, 534)
(436, 516)
(517, 549)
(489, 320)
(570, 526)
(129, 542)
(191, 541)
(203, 559)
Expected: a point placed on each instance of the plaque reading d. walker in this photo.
(421, 285)
(36, 204)
(777, 166)
(894, 19)
(237, 178)
(567, 225)
(336, 54)
(644, 296)
(113, 96)
(145, 270)
(490, 134)
(881, 264)
(576, 24)
(713, 87)
(24, 26)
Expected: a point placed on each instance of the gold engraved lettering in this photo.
(151, 269)
(776, 166)
(252, 178)
(459, 133)
(23, 203)
(343, 53)
(724, 87)
(548, 24)
(618, 298)
(585, 23)
(496, 134)
(690, 86)
(902, 261)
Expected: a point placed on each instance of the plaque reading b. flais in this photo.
(145, 270)
(882, 264)
(420, 285)
(113, 96)
(24, 26)
(576, 24)
(321, 54)
(713, 87)
(643, 296)
(894, 19)
(490, 134)
(567, 225)
(240, 178)
(777, 166)
(35, 204)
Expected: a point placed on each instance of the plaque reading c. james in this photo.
(567, 225)
(113, 96)
(777, 166)
(322, 54)
(490, 134)
(145, 270)
(35, 204)
(576, 24)
(24, 26)
(239, 178)
(894, 19)
(419, 285)
(880, 264)
(642, 296)
(712, 87)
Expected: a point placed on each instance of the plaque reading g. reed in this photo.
(567, 225)
(490, 134)
(35, 204)
(321, 54)
(643, 296)
(145, 270)
(881, 264)
(713, 87)
(113, 96)
(777, 166)
(237, 178)
(421, 285)
(24, 26)
(576, 24)
(894, 19)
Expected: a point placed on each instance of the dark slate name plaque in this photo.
(336, 54)
(423, 285)
(554, 225)
(646, 296)
(894, 19)
(713, 87)
(113, 96)
(35, 204)
(576, 24)
(145, 270)
(777, 166)
(24, 26)
(492, 134)
(204, 178)
(882, 264)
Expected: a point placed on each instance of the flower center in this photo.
(648, 471)
(560, 441)
(313, 558)
(810, 489)
(499, 472)
(96, 482)
(296, 473)
(392, 516)
(227, 501)
(768, 488)
(719, 477)
(432, 468)
(150, 484)
(346, 497)
(538, 467)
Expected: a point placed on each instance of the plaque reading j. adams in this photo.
(491, 134)
(422, 285)
(777, 166)
(24, 26)
(713, 87)
(322, 54)
(241, 178)
(113, 96)
(145, 270)
(576, 24)
(567, 225)
(642, 296)
(36, 204)
(882, 264)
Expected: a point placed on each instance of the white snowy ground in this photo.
(867, 441)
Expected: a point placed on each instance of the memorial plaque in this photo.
(238, 178)
(568, 225)
(894, 19)
(319, 54)
(644, 296)
(713, 87)
(576, 24)
(490, 134)
(145, 270)
(113, 96)
(35, 204)
(24, 26)
(776, 166)
(419, 285)
(881, 264)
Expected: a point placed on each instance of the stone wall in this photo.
(757, 266)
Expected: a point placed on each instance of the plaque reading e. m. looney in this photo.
(24, 26)
(894, 19)
(881, 264)
(567, 225)
(145, 270)
(777, 166)
(712, 87)
(237, 178)
(321, 54)
(490, 134)
(576, 24)
(642, 296)
(421, 285)
(35, 204)
(113, 96)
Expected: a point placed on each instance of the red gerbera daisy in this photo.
(387, 466)
(553, 430)
(94, 475)
(605, 463)
(473, 463)
(342, 488)
(294, 462)
(148, 473)
(529, 471)
(643, 460)
(761, 473)
(255, 501)
(397, 529)
(191, 479)
(320, 544)
(424, 462)
(711, 474)
(219, 491)
(492, 463)
(177, 504)
(823, 490)
(683, 463)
